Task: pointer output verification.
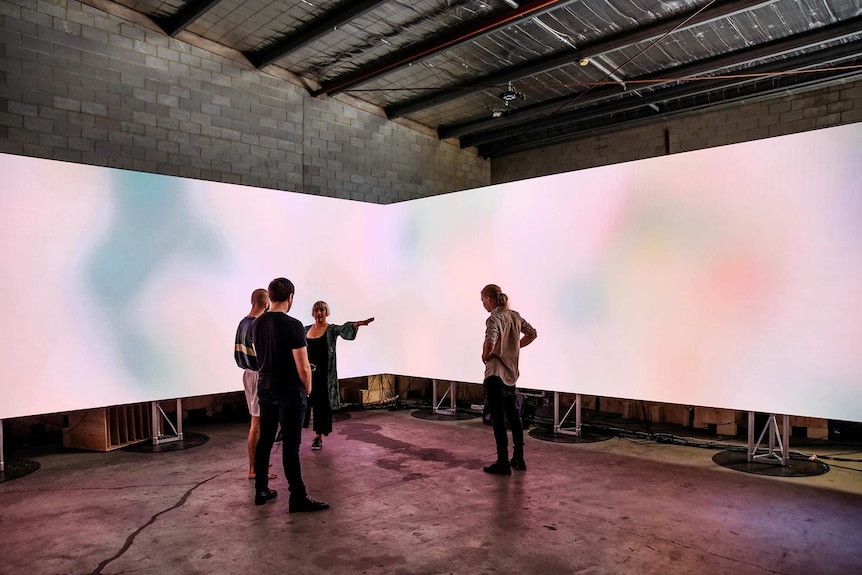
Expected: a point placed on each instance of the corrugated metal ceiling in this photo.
(570, 67)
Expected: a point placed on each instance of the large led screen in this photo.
(121, 287)
(726, 277)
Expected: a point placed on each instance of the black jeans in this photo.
(502, 403)
(287, 409)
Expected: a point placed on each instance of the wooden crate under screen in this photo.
(677, 414)
(625, 408)
(381, 388)
(117, 419)
(142, 420)
(723, 419)
(107, 428)
(815, 427)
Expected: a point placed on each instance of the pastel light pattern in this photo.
(151, 226)
(727, 277)
(707, 278)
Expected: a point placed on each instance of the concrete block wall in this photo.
(798, 112)
(81, 85)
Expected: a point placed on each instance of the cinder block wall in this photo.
(81, 85)
(799, 112)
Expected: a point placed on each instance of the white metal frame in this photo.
(778, 451)
(158, 437)
(451, 392)
(558, 422)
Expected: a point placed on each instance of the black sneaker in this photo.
(307, 504)
(262, 497)
(316, 444)
(519, 464)
(498, 468)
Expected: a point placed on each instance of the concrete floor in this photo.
(408, 496)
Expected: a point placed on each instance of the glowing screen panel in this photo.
(726, 277)
(121, 287)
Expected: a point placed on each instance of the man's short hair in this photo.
(259, 297)
(280, 289)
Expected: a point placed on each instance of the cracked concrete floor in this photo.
(408, 497)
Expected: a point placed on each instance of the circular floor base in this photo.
(429, 414)
(738, 461)
(188, 441)
(548, 434)
(18, 468)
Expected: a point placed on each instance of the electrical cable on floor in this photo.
(835, 458)
(673, 439)
(644, 435)
(845, 467)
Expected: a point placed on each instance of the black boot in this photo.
(518, 459)
(498, 468)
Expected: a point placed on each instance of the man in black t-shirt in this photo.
(284, 382)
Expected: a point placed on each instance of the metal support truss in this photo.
(450, 392)
(778, 451)
(558, 422)
(159, 437)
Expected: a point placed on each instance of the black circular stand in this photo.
(18, 468)
(188, 441)
(548, 434)
(429, 414)
(738, 461)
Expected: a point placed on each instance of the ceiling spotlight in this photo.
(510, 95)
(584, 62)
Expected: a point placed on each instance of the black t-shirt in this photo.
(276, 335)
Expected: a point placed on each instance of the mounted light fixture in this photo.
(603, 69)
(510, 95)
(512, 3)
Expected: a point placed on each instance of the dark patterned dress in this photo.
(325, 391)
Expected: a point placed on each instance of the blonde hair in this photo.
(496, 294)
(320, 305)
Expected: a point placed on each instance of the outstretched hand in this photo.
(365, 322)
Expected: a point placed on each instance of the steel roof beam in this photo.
(699, 68)
(436, 45)
(328, 22)
(645, 116)
(180, 20)
(620, 114)
(640, 34)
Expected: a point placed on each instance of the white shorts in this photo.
(249, 381)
